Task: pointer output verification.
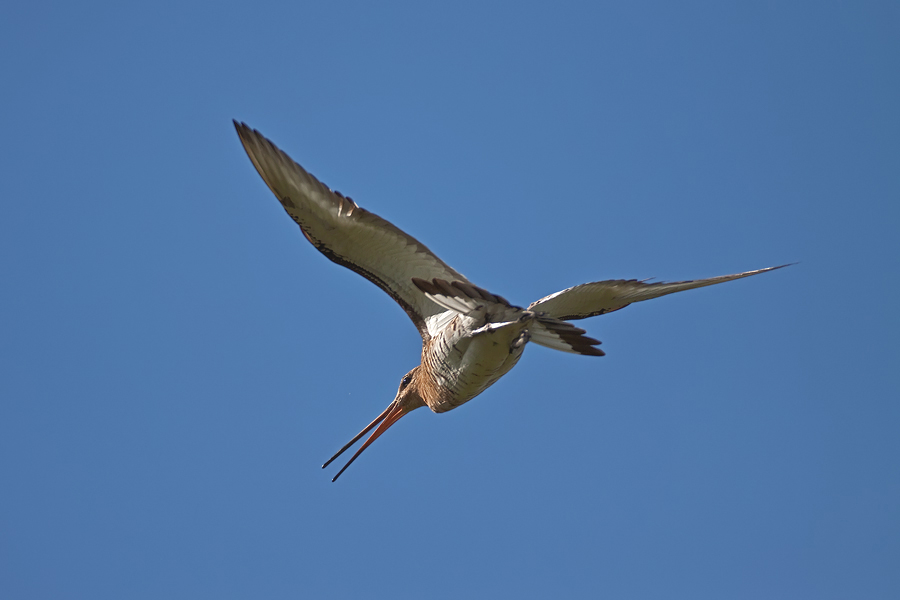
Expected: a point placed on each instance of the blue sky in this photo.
(176, 361)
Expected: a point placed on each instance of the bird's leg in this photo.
(520, 341)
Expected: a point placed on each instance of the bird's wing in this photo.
(599, 297)
(347, 234)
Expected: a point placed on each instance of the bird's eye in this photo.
(406, 381)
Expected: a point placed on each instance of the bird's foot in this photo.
(520, 341)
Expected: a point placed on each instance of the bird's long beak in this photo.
(390, 416)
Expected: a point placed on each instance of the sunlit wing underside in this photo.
(347, 234)
(599, 297)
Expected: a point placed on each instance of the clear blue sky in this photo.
(176, 361)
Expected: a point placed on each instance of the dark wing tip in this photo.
(241, 127)
(248, 136)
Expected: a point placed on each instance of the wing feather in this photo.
(347, 234)
(599, 297)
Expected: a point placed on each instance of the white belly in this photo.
(465, 364)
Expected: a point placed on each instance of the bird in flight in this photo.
(470, 337)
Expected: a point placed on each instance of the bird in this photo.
(470, 337)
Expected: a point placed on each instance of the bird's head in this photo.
(408, 398)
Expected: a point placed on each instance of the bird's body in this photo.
(467, 356)
(470, 337)
(459, 363)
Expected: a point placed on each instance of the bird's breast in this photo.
(464, 360)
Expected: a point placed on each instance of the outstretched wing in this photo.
(599, 297)
(347, 234)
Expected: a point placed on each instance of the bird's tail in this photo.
(559, 335)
